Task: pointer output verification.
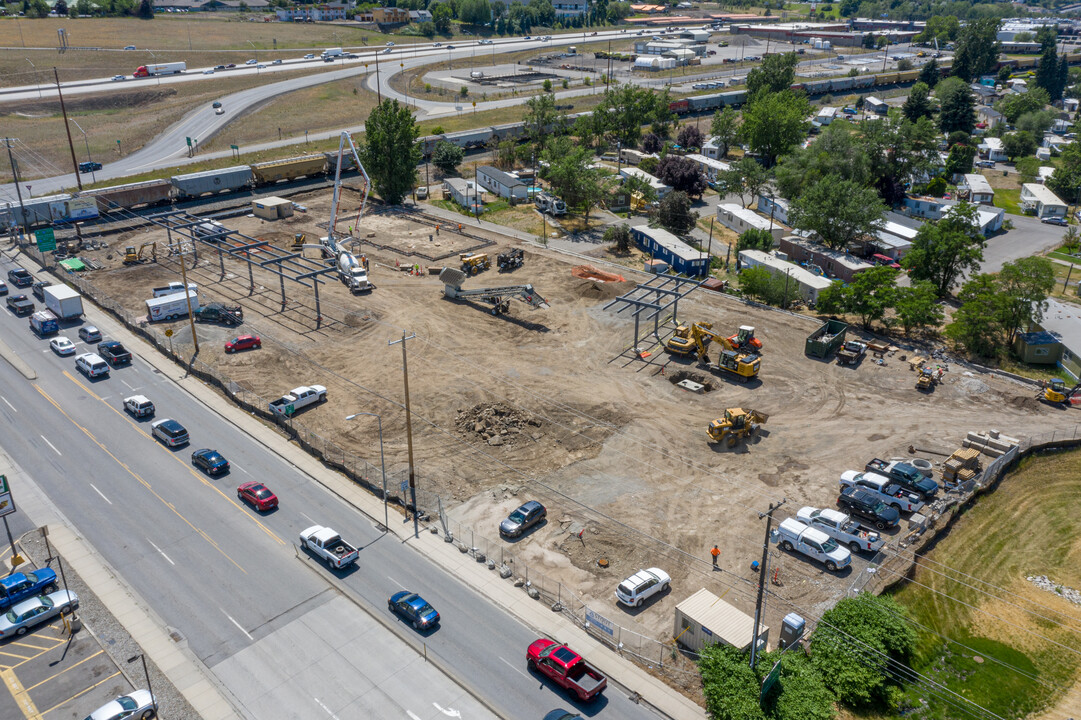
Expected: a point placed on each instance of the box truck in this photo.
(64, 302)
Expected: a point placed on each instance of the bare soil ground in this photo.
(611, 445)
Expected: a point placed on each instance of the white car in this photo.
(139, 704)
(309, 56)
(19, 619)
(118, 78)
(208, 71)
(62, 346)
(486, 42)
(387, 51)
(641, 586)
(390, 44)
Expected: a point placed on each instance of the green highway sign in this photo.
(46, 239)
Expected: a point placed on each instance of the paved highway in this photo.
(275, 629)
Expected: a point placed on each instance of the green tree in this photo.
(870, 294)
(975, 324)
(675, 214)
(626, 109)
(945, 250)
(904, 64)
(957, 106)
(1066, 180)
(547, 85)
(1047, 70)
(1036, 123)
(619, 236)
(617, 12)
(837, 151)
(442, 14)
(60, 8)
(898, 152)
(775, 74)
(1018, 144)
(944, 28)
(959, 161)
(977, 49)
(801, 693)
(1025, 285)
(1014, 105)
(917, 306)
(474, 12)
(746, 176)
(539, 120)
(725, 128)
(930, 74)
(427, 28)
(855, 644)
(840, 211)
(918, 104)
(390, 151)
(1028, 168)
(755, 239)
(37, 9)
(729, 685)
(1071, 239)
(775, 122)
(755, 282)
(447, 157)
(571, 176)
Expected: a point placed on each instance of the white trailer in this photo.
(171, 307)
(64, 302)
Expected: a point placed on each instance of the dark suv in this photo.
(864, 504)
(114, 353)
(522, 519)
(39, 290)
(20, 278)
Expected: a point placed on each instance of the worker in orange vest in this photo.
(716, 553)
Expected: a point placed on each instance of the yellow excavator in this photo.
(682, 342)
(730, 359)
(1056, 392)
(736, 425)
(135, 257)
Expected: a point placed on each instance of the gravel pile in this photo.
(111, 635)
(496, 423)
(1044, 583)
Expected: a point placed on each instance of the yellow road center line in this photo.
(21, 696)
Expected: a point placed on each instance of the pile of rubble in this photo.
(496, 423)
(1044, 583)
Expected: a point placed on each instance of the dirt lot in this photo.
(608, 442)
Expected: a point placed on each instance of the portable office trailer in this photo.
(272, 208)
(705, 619)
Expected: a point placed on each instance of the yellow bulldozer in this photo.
(730, 359)
(473, 264)
(735, 425)
(1056, 392)
(682, 340)
(136, 257)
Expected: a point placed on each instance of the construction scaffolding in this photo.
(654, 297)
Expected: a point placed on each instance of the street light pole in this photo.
(37, 81)
(382, 462)
(146, 674)
(409, 431)
(93, 174)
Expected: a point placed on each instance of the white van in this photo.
(92, 365)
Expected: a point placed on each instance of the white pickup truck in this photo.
(884, 489)
(328, 544)
(297, 398)
(173, 288)
(841, 528)
(795, 536)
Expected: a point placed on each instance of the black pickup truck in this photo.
(114, 353)
(219, 313)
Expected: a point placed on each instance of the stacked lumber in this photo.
(992, 443)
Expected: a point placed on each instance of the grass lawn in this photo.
(1036, 372)
(1028, 526)
(1009, 200)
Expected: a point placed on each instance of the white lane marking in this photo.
(395, 582)
(99, 492)
(8, 404)
(129, 387)
(52, 446)
(449, 712)
(238, 625)
(320, 703)
(308, 518)
(234, 466)
(412, 715)
(162, 552)
(515, 668)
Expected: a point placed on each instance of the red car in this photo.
(243, 342)
(258, 495)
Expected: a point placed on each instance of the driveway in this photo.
(1028, 237)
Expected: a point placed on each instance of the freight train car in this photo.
(228, 179)
(470, 139)
(34, 211)
(268, 173)
(132, 195)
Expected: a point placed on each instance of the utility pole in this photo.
(762, 579)
(378, 90)
(409, 432)
(67, 127)
(187, 295)
(709, 248)
(18, 190)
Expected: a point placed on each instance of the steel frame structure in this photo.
(650, 296)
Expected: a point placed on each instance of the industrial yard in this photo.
(551, 404)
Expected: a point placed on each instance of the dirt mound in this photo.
(680, 376)
(588, 272)
(497, 423)
(1025, 402)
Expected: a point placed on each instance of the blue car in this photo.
(413, 608)
(20, 586)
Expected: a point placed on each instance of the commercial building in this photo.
(502, 184)
(314, 13)
(670, 47)
(1039, 199)
(570, 8)
(831, 263)
(705, 619)
(741, 219)
(384, 15)
(979, 189)
(805, 284)
(663, 245)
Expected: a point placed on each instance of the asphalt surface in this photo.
(231, 582)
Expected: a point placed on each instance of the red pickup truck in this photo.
(566, 668)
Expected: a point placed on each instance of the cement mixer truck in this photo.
(353, 272)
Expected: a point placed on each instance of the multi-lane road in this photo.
(287, 638)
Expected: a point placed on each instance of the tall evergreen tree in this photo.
(390, 151)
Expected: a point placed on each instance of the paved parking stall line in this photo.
(22, 697)
(53, 677)
(81, 692)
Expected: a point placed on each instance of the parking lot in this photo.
(51, 673)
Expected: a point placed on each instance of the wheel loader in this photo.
(735, 425)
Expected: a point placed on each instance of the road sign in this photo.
(770, 679)
(404, 486)
(46, 239)
(7, 505)
(189, 141)
(169, 332)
